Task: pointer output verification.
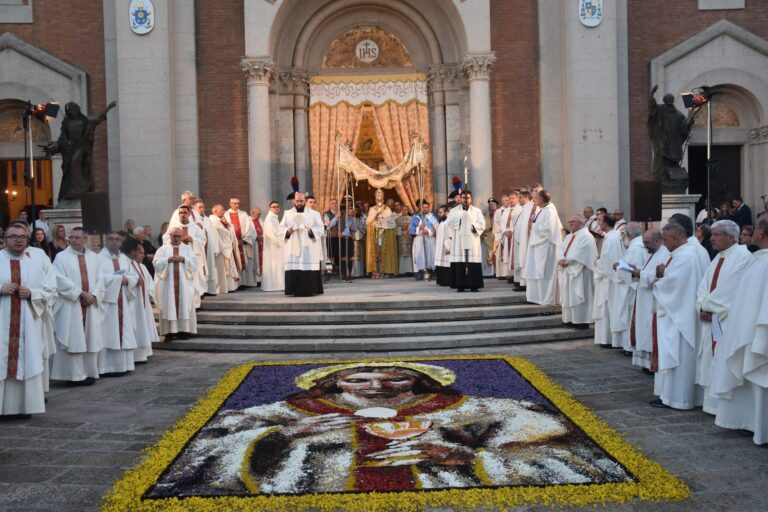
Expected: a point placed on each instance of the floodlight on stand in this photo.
(698, 97)
(695, 99)
(44, 112)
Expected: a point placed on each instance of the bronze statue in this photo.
(668, 129)
(76, 147)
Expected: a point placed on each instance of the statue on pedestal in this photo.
(76, 147)
(669, 129)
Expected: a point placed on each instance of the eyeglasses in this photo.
(16, 238)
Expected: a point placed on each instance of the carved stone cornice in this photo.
(478, 66)
(441, 78)
(294, 81)
(259, 70)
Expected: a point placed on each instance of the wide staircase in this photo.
(389, 315)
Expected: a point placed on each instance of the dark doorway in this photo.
(725, 176)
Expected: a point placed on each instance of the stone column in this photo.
(477, 68)
(259, 71)
(297, 82)
(439, 161)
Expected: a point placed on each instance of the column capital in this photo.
(294, 80)
(477, 66)
(259, 70)
(442, 77)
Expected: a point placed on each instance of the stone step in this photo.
(367, 316)
(445, 328)
(325, 345)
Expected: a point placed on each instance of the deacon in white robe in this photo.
(119, 280)
(464, 226)
(301, 228)
(47, 318)
(144, 326)
(504, 231)
(643, 331)
(576, 260)
(716, 293)
(77, 313)
(676, 322)
(740, 371)
(442, 264)
(687, 223)
(622, 299)
(621, 226)
(523, 229)
(227, 272)
(187, 199)
(273, 273)
(605, 277)
(246, 240)
(194, 236)
(211, 247)
(423, 229)
(175, 270)
(544, 242)
(26, 286)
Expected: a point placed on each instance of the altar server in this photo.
(144, 325)
(77, 313)
(464, 226)
(544, 241)
(194, 236)
(622, 299)
(246, 239)
(740, 370)
(643, 337)
(119, 280)
(716, 293)
(605, 277)
(676, 322)
(576, 260)
(175, 273)
(423, 229)
(26, 285)
(504, 230)
(442, 250)
(525, 224)
(273, 273)
(301, 229)
(227, 266)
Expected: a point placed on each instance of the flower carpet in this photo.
(385, 434)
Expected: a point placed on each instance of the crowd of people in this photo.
(688, 303)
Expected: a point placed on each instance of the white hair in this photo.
(634, 230)
(729, 227)
(188, 194)
(138, 230)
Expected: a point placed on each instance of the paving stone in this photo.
(97, 459)
(89, 476)
(29, 474)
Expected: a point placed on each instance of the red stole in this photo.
(235, 218)
(712, 288)
(14, 331)
(176, 281)
(531, 220)
(116, 266)
(260, 233)
(367, 478)
(83, 282)
(568, 247)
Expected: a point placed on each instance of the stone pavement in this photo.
(66, 459)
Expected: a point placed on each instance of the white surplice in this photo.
(735, 260)
(198, 246)
(612, 252)
(78, 339)
(245, 234)
(301, 251)
(21, 377)
(442, 244)
(211, 249)
(273, 273)
(118, 337)
(423, 244)
(622, 298)
(521, 241)
(576, 280)
(47, 318)
(465, 242)
(227, 274)
(645, 308)
(143, 318)
(739, 376)
(183, 319)
(541, 262)
(678, 330)
(504, 222)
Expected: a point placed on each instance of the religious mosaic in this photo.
(385, 435)
(367, 47)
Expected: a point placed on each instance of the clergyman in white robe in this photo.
(47, 318)
(423, 229)
(464, 225)
(144, 324)
(245, 234)
(227, 274)
(302, 229)
(175, 288)
(576, 258)
(622, 299)
(522, 230)
(196, 240)
(504, 231)
(442, 264)
(541, 262)
(612, 251)
(211, 248)
(644, 325)
(77, 323)
(272, 273)
(118, 338)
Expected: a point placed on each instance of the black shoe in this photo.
(15, 417)
(648, 372)
(115, 374)
(474, 290)
(460, 290)
(606, 345)
(626, 352)
(511, 280)
(659, 404)
(183, 335)
(581, 327)
(519, 288)
(744, 432)
(88, 381)
(169, 337)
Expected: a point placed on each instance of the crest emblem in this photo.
(590, 12)
(141, 16)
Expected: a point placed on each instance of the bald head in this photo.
(634, 229)
(652, 240)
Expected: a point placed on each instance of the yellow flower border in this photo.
(653, 482)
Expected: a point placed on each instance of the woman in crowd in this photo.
(703, 234)
(41, 242)
(59, 240)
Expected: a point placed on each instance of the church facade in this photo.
(236, 97)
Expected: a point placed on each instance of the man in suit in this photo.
(742, 214)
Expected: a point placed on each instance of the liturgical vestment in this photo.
(612, 251)
(541, 262)
(175, 289)
(576, 280)
(119, 339)
(272, 271)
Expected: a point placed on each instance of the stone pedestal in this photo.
(67, 217)
(678, 203)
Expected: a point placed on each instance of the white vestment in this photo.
(622, 298)
(143, 317)
(211, 248)
(21, 376)
(78, 339)
(576, 280)
(504, 222)
(541, 262)
(301, 251)
(193, 216)
(739, 376)
(47, 317)
(423, 244)
(177, 313)
(246, 240)
(621, 227)
(645, 308)
(521, 241)
(226, 264)
(272, 273)
(198, 246)
(701, 252)
(441, 245)
(612, 252)
(118, 337)
(735, 260)
(465, 243)
(678, 330)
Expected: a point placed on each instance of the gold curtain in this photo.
(324, 123)
(394, 124)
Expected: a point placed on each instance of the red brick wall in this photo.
(73, 31)
(655, 26)
(222, 101)
(515, 94)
